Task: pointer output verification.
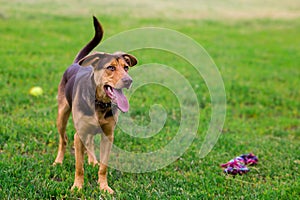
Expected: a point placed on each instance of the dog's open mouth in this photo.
(117, 97)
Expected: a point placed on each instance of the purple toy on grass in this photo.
(238, 164)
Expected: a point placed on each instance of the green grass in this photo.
(258, 60)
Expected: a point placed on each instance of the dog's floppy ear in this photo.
(129, 59)
(92, 59)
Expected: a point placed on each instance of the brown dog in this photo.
(92, 89)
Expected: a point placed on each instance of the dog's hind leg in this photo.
(64, 111)
(92, 160)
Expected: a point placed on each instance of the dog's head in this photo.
(111, 76)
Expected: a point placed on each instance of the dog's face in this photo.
(111, 76)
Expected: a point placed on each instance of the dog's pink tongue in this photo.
(121, 100)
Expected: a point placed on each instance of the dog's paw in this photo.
(58, 160)
(56, 163)
(93, 162)
(76, 186)
(106, 188)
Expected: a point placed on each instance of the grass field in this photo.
(257, 56)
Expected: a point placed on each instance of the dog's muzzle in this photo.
(127, 81)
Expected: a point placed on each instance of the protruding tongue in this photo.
(121, 100)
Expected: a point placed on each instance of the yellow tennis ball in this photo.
(36, 91)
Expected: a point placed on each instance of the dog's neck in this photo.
(104, 111)
(102, 104)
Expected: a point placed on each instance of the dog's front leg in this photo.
(79, 156)
(105, 148)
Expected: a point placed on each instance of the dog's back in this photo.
(68, 79)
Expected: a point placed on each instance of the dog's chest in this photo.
(105, 115)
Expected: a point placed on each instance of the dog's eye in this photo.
(111, 68)
(126, 68)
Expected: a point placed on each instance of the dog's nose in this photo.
(127, 81)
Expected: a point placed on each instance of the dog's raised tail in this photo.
(93, 43)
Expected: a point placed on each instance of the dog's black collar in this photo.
(102, 105)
